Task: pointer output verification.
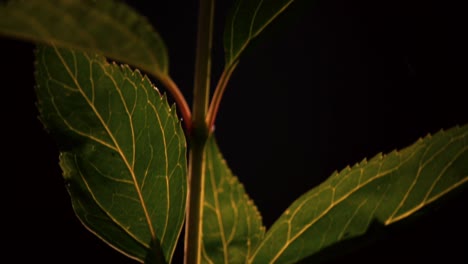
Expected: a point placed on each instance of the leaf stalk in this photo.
(179, 98)
(218, 94)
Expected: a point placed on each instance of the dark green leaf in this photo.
(232, 226)
(247, 19)
(385, 189)
(123, 151)
(107, 27)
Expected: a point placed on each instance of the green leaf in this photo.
(107, 27)
(232, 225)
(247, 19)
(123, 151)
(385, 189)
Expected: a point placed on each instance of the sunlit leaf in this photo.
(387, 189)
(232, 226)
(123, 151)
(247, 19)
(108, 27)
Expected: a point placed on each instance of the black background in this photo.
(330, 83)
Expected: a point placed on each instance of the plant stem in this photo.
(179, 98)
(193, 224)
(199, 134)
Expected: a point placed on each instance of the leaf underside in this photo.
(108, 27)
(386, 189)
(122, 150)
(232, 225)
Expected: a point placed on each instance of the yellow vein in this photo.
(216, 203)
(72, 128)
(426, 199)
(350, 219)
(147, 169)
(325, 231)
(444, 169)
(130, 117)
(234, 208)
(254, 17)
(231, 50)
(98, 170)
(119, 150)
(416, 178)
(255, 34)
(163, 136)
(205, 255)
(329, 208)
(143, 243)
(334, 204)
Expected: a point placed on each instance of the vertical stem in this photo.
(193, 224)
(199, 133)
